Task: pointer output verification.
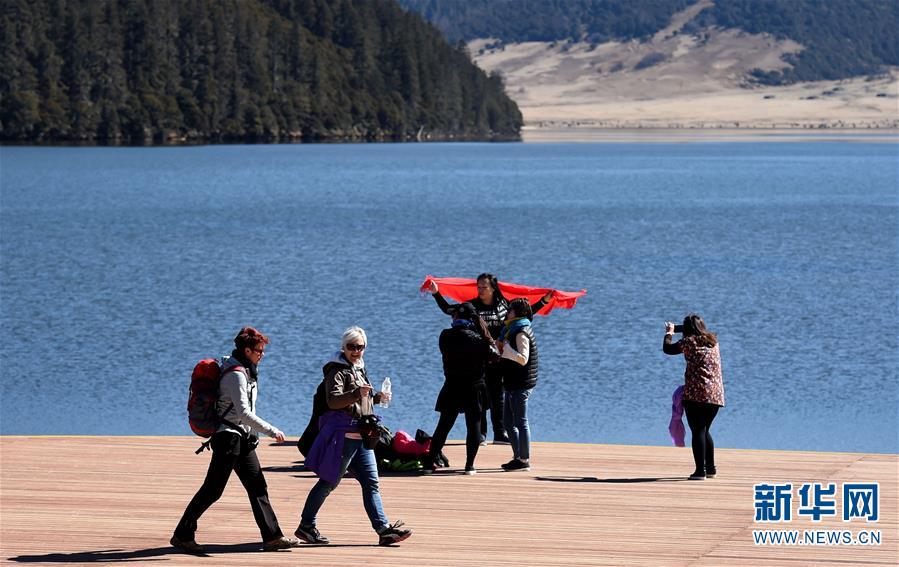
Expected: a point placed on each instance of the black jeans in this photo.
(699, 418)
(472, 439)
(494, 378)
(231, 452)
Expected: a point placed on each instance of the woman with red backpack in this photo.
(234, 448)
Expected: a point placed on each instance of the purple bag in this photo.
(676, 425)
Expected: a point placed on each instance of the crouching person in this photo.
(234, 448)
(339, 445)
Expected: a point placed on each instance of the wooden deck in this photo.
(106, 500)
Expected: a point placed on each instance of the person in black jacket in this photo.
(519, 364)
(465, 348)
(492, 307)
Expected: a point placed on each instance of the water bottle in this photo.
(385, 389)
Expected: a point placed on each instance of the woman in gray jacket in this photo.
(234, 448)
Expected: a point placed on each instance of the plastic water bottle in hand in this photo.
(385, 389)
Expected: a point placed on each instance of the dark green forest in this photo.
(843, 38)
(152, 71)
(510, 21)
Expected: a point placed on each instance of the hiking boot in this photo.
(186, 545)
(517, 465)
(391, 534)
(280, 543)
(310, 534)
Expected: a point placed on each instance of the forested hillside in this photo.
(510, 21)
(842, 38)
(139, 71)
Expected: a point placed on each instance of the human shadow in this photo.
(299, 466)
(609, 480)
(121, 556)
(444, 471)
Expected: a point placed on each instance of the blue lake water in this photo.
(121, 267)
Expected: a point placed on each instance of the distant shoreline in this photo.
(558, 134)
(542, 134)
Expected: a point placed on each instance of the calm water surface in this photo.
(121, 267)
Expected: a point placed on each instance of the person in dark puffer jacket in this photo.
(519, 364)
(465, 348)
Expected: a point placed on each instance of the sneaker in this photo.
(471, 470)
(517, 465)
(502, 439)
(280, 543)
(310, 534)
(711, 474)
(697, 476)
(391, 534)
(483, 443)
(186, 545)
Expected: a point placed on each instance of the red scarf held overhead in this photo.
(466, 289)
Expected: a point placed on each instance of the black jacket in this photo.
(319, 407)
(465, 354)
(516, 376)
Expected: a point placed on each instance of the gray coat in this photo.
(237, 395)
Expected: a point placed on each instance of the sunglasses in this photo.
(355, 348)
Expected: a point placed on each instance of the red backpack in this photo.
(203, 396)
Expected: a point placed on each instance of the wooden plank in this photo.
(99, 500)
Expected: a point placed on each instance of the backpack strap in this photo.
(207, 444)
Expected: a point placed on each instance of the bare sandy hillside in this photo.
(679, 80)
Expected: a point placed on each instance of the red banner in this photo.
(466, 289)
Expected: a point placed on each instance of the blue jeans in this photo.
(515, 418)
(362, 463)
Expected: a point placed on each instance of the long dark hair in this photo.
(694, 326)
(467, 311)
(491, 279)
